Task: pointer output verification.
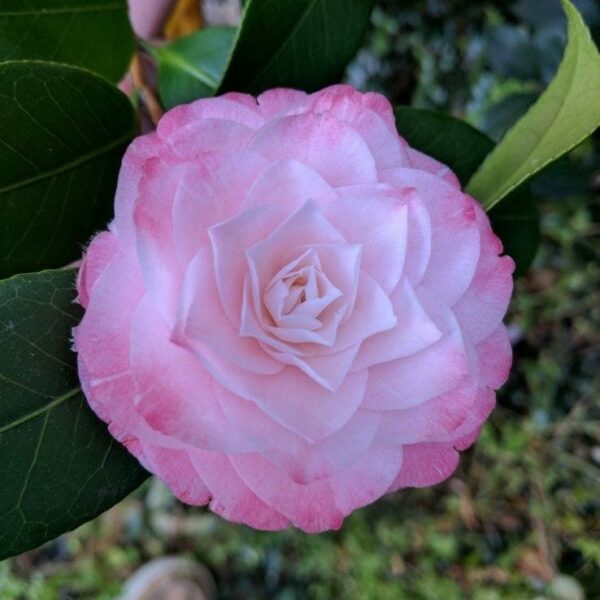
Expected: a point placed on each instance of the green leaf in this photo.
(63, 132)
(191, 67)
(94, 34)
(449, 140)
(463, 148)
(500, 117)
(304, 44)
(566, 113)
(59, 467)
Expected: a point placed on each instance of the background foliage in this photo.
(520, 519)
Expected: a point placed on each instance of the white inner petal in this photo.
(296, 297)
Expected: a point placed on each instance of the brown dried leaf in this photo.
(185, 18)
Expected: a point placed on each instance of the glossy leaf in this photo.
(192, 67)
(463, 148)
(304, 44)
(63, 132)
(449, 140)
(566, 113)
(59, 467)
(94, 34)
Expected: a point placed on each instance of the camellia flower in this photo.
(293, 312)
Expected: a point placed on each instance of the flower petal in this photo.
(180, 403)
(413, 332)
(282, 102)
(372, 314)
(101, 251)
(289, 184)
(495, 358)
(210, 192)
(293, 399)
(322, 504)
(231, 497)
(422, 162)
(175, 468)
(455, 243)
(425, 464)
(202, 323)
(230, 240)
(419, 377)
(380, 226)
(483, 306)
(208, 135)
(154, 234)
(447, 418)
(323, 143)
(238, 108)
(354, 108)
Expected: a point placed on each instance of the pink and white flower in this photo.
(293, 312)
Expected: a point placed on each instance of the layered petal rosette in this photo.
(293, 312)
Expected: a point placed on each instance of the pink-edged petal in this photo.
(303, 461)
(101, 251)
(328, 457)
(455, 239)
(423, 162)
(209, 135)
(293, 399)
(180, 403)
(413, 332)
(419, 377)
(484, 304)
(371, 102)
(236, 108)
(322, 504)
(468, 440)
(202, 323)
(282, 102)
(426, 464)
(380, 225)
(231, 497)
(102, 337)
(230, 241)
(112, 399)
(154, 234)
(141, 153)
(352, 107)
(210, 192)
(447, 418)
(495, 358)
(322, 142)
(175, 469)
(289, 184)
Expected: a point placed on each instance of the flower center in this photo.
(299, 293)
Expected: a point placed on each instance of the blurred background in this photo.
(521, 517)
